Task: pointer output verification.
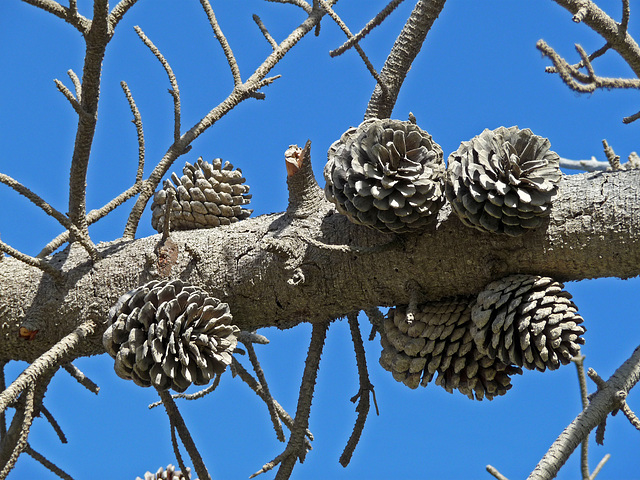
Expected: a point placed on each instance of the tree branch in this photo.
(82, 379)
(265, 32)
(602, 403)
(137, 121)
(69, 15)
(119, 12)
(23, 419)
(233, 65)
(47, 463)
(39, 263)
(404, 51)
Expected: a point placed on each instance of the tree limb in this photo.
(602, 403)
(69, 15)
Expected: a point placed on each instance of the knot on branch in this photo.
(305, 196)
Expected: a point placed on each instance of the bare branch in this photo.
(26, 422)
(176, 447)
(630, 415)
(603, 401)
(592, 165)
(175, 91)
(233, 65)
(47, 463)
(176, 419)
(631, 118)
(377, 20)
(404, 51)
(296, 446)
(119, 11)
(363, 392)
(275, 419)
(137, 121)
(626, 12)
(614, 160)
(82, 379)
(582, 381)
(34, 262)
(265, 32)
(68, 14)
(3, 386)
(345, 29)
(494, 471)
(45, 363)
(298, 3)
(69, 96)
(598, 53)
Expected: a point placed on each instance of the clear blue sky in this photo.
(478, 69)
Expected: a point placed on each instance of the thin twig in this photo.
(69, 96)
(334, 16)
(233, 65)
(166, 226)
(596, 470)
(376, 318)
(137, 121)
(630, 415)
(265, 32)
(76, 84)
(246, 377)
(193, 396)
(33, 261)
(363, 394)
(21, 444)
(47, 463)
(84, 239)
(176, 418)
(275, 419)
(175, 91)
(82, 379)
(377, 20)
(176, 447)
(582, 381)
(54, 423)
(598, 53)
(592, 165)
(631, 118)
(626, 12)
(494, 471)
(92, 217)
(46, 362)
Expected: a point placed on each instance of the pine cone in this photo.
(169, 474)
(169, 334)
(503, 181)
(386, 174)
(438, 339)
(207, 195)
(529, 321)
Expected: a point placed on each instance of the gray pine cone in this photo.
(386, 174)
(503, 180)
(169, 474)
(207, 195)
(529, 321)
(438, 340)
(169, 335)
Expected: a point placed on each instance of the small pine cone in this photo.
(503, 181)
(207, 195)
(437, 340)
(529, 321)
(169, 334)
(386, 174)
(169, 474)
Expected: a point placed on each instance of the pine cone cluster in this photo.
(386, 174)
(169, 474)
(503, 180)
(527, 320)
(437, 339)
(169, 335)
(207, 195)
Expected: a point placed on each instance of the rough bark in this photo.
(274, 271)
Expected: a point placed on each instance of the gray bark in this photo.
(273, 271)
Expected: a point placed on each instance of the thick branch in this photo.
(593, 231)
(67, 14)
